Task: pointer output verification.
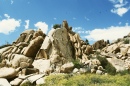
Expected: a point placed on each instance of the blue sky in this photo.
(92, 19)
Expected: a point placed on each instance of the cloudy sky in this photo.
(92, 19)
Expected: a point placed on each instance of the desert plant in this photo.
(57, 26)
(87, 42)
(126, 41)
(106, 65)
(77, 64)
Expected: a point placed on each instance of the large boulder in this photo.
(16, 82)
(42, 65)
(33, 47)
(4, 82)
(25, 36)
(117, 63)
(57, 43)
(21, 61)
(67, 68)
(8, 72)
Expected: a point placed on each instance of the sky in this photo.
(91, 19)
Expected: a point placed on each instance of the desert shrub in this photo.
(124, 72)
(110, 69)
(57, 26)
(126, 41)
(87, 42)
(103, 61)
(77, 64)
(106, 65)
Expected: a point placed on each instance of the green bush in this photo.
(57, 26)
(77, 64)
(126, 41)
(106, 65)
(110, 69)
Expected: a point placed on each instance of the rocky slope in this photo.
(34, 55)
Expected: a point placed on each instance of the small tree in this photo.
(57, 26)
(87, 42)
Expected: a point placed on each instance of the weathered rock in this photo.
(33, 47)
(42, 53)
(76, 70)
(117, 63)
(4, 82)
(124, 51)
(8, 72)
(100, 68)
(25, 82)
(5, 49)
(21, 61)
(93, 71)
(34, 78)
(83, 70)
(67, 68)
(99, 72)
(28, 71)
(16, 82)
(57, 45)
(88, 50)
(84, 58)
(42, 65)
(24, 36)
(41, 81)
(99, 44)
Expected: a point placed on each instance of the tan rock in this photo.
(99, 72)
(67, 68)
(16, 82)
(4, 82)
(8, 72)
(123, 51)
(33, 47)
(21, 61)
(42, 65)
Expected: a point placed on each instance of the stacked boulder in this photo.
(35, 54)
(118, 53)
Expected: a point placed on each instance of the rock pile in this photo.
(118, 54)
(34, 55)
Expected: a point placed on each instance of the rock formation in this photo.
(35, 54)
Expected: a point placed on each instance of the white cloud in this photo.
(116, 1)
(7, 16)
(120, 7)
(120, 11)
(42, 25)
(110, 33)
(80, 30)
(9, 24)
(27, 24)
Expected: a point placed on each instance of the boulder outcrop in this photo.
(35, 55)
